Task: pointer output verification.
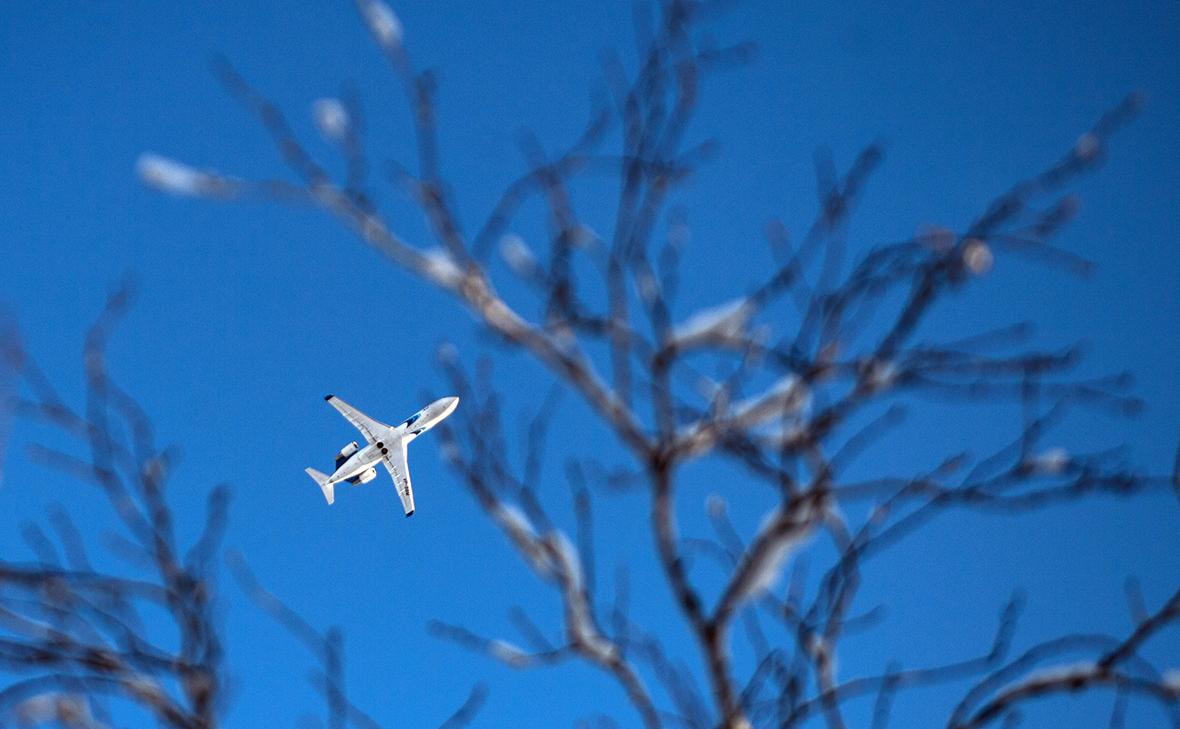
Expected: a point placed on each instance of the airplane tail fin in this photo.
(321, 480)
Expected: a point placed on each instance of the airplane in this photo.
(384, 444)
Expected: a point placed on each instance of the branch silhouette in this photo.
(792, 382)
(798, 401)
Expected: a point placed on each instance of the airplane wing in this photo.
(399, 469)
(366, 425)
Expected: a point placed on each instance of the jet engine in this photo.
(345, 452)
(364, 477)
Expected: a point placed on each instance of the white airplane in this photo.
(383, 443)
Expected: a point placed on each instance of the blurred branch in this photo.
(1008, 688)
(328, 649)
(795, 404)
(75, 630)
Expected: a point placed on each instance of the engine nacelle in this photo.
(345, 452)
(367, 476)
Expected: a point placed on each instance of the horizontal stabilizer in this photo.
(321, 480)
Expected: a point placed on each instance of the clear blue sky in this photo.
(247, 314)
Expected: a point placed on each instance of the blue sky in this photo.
(247, 314)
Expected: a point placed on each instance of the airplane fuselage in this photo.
(359, 462)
